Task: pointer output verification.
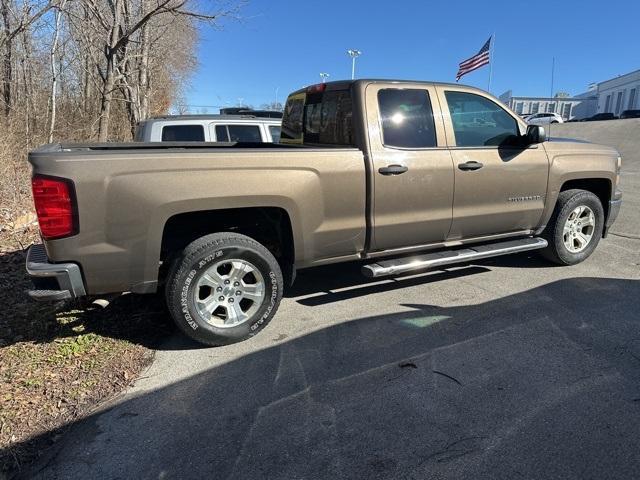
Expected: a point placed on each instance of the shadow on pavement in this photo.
(541, 384)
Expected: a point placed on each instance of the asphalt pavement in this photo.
(504, 369)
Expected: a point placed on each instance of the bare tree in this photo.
(54, 71)
(14, 22)
(120, 24)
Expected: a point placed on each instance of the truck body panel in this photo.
(368, 197)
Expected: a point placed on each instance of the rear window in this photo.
(183, 133)
(321, 118)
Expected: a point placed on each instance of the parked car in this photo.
(209, 128)
(367, 170)
(630, 114)
(600, 117)
(544, 119)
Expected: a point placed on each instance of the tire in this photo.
(227, 266)
(565, 247)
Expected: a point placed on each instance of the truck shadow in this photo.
(143, 319)
(340, 282)
(539, 384)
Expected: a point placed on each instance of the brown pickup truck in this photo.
(398, 175)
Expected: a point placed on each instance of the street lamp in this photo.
(324, 76)
(353, 54)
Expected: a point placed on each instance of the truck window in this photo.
(244, 133)
(320, 118)
(275, 133)
(407, 118)
(479, 122)
(183, 133)
(221, 133)
(238, 133)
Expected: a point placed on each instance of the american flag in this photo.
(478, 60)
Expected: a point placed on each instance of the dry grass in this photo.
(56, 361)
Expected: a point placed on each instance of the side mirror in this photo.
(536, 134)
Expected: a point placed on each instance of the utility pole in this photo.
(324, 76)
(353, 53)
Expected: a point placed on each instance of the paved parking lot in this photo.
(509, 368)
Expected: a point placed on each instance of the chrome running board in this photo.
(397, 266)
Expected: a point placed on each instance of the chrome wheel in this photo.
(229, 292)
(578, 229)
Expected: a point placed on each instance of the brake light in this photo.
(54, 199)
(320, 87)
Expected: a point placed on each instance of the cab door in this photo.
(412, 168)
(500, 183)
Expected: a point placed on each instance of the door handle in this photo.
(393, 170)
(472, 165)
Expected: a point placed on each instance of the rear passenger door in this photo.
(500, 185)
(412, 168)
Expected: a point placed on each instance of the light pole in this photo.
(353, 54)
(324, 76)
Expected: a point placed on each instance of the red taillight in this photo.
(320, 87)
(54, 202)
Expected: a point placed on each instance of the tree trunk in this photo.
(105, 101)
(144, 72)
(54, 74)
(7, 70)
(109, 80)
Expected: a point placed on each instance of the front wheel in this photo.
(224, 288)
(575, 228)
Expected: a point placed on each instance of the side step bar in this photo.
(448, 257)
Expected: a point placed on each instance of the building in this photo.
(610, 96)
(567, 107)
(619, 94)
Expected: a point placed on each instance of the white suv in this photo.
(209, 128)
(543, 118)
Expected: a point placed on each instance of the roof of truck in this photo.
(342, 84)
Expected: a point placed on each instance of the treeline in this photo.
(93, 68)
(84, 70)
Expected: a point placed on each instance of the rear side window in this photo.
(479, 122)
(238, 133)
(320, 118)
(244, 133)
(221, 133)
(275, 133)
(407, 118)
(183, 133)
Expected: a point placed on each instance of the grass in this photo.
(57, 362)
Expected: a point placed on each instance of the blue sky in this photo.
(285, 44)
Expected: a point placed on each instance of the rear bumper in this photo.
(52, 281)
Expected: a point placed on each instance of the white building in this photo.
(619, 94)
(567, 107)
(611, 96)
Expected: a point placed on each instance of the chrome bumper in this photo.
(52, 281)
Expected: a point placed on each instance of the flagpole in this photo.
(491, 54)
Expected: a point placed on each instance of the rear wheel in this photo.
(224, 288)
(575, 228)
